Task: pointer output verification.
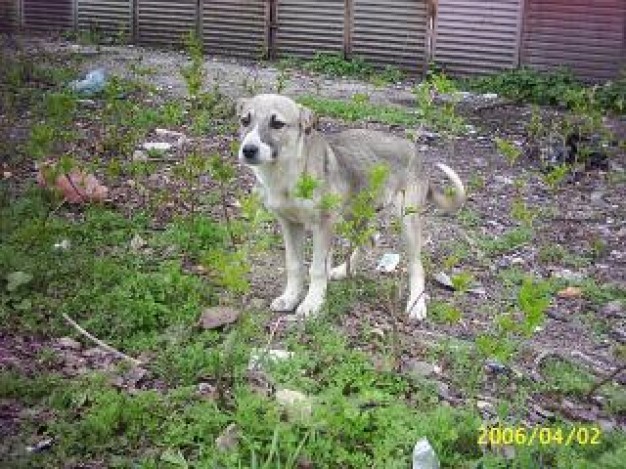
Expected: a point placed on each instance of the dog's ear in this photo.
(308, 119)
(241, 104)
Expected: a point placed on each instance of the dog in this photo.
(280, 143)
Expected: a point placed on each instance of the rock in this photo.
(258, 303)
(489, 96)
(568, 275)
(229, 439)
(40, 446)
(614, 308)
(260, 356)
(137, 243)
(421, 369)
(216, 317)
(140, 155)
(157, 146)
(297, 405)
(507, 181)
(495, 367)
(69, 343)
(485, 406)
(16, 279)
(478, 291)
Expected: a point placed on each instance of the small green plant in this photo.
(509, 150)
(306, 186)
(533, 299)
(555, 177)
(462, 281)
(335, 65)
(193, 74)
(522, 213)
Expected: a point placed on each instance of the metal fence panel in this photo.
(587, 36)
(8, 15)
(48, 15)
(306, 27)
(107, 16)
(234, 27)
(165, 22)
(477, 36)
(390, 33)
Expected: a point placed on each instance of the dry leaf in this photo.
(570, 292)
(77, 186)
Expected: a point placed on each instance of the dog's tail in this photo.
(447, 202)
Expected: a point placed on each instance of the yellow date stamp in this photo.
(543, 436)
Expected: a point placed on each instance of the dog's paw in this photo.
(309, 307)
(285, 303)
(417, 309)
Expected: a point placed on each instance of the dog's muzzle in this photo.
(250, 154)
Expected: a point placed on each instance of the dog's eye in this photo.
(245, 120)
(276, 124)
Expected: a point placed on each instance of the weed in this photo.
(509, 150)
(193, 74)
(533, 299)
(352, 111)
(335, 65)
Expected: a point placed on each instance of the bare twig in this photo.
(94, 339)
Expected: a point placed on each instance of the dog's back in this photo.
(358, 151)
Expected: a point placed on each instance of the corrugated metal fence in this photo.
(587, 36)
(469, 36)
(477, 36)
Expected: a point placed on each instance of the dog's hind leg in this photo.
(319, 269)
(293, 234)
(341, 271)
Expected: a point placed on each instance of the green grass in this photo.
(359, 110)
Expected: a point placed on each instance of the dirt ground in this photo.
(581, 216)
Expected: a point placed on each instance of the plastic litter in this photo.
(388, 262)
(94, 82)
(424, 456)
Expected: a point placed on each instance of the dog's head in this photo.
(271, 126)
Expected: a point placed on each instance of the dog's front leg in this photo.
(319, 269)
(293, 234)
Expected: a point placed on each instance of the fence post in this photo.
(348, 21)
(134, 32)
(200, 21)
(271, 24)
(20, 14)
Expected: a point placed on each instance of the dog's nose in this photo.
(250, 152)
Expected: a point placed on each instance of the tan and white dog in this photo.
(280, 144)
